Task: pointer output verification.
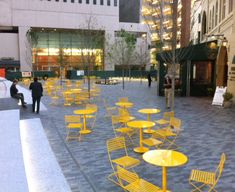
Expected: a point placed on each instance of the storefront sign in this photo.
(80, 73)
(218, 97)
(26, 74)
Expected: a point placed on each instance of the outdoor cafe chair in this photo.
(130, 181)
(73, 126)
(92, 117)
(156, 140)
(110, 111)
(171, 133)
(117, 154)
(122, 130)
(205, 180)
(123, 99)
(166, 118)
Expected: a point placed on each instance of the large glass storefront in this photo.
(69, 49)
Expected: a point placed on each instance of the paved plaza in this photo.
(207, 132)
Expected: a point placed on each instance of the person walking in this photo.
(168, 90)
(15, 93)
(149, 79)
(37, 91)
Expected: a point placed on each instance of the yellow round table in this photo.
(84, 112)
(164, 159)
(149, 111)
(139, 124)
(124, 104)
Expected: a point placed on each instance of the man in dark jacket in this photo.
(37, 91)
(15, 94)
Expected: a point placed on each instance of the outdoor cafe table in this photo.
(149, 111)
(165, 158)
(124, 104)
(139, 124)
(84, 112)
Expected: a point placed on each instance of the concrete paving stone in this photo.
(207, 132)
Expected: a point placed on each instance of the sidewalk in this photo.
(208, 131)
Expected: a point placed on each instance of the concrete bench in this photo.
(13, 176)
(42, 169)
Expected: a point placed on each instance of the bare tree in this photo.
(121, 51)
(91, 46)
(62, 60)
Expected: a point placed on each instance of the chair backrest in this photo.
(115, 120)
(123, 99)
(167, 115)
(115, 144)
(126, 176)
(91, 106)
(72, 118)
(175, 123)
(123, 112)
(220, 167)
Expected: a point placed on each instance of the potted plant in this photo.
(227, 99)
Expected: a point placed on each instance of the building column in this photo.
(24, 50)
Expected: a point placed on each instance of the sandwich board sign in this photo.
(218, 97)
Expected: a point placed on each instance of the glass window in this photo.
(230, 9)
(115, 3)
(223, 9)
(87, 1)
(108, 2)
(72, 1)
(94, 2)
(216, 13)
(79, 1)
(65, 0)
(101, 2)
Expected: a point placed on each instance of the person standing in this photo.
(15, 93)
(168, 90)
(37, 91)
(149, 79)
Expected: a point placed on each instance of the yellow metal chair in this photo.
(171, 133)
(117, 153)
(166, 118)
(92, 116)
(120, 130)
(73, 126)
(156, 140)
(124, 115)
(110, 111)
(123, 99)
(206, 181)
(131, 182)
(68, 98)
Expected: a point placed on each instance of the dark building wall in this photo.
(129, 11)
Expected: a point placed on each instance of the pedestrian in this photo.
(149, 79)
(15, 93)
(37, 91)
(168, 90)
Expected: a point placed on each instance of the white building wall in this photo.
(52, 14)
(10, 45)
(225, 27)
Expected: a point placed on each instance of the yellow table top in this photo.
(140, 124)
(149, 111)
(84, 111)
(165, 158)
(124, 104)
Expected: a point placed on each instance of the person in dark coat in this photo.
(15, 94)
(37, 91)
(149, 79)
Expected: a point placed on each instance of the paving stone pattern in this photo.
(207, 132)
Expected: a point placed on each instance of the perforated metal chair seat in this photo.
(126, 161)
(203, 177)
(151, 142)
(141, 185)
